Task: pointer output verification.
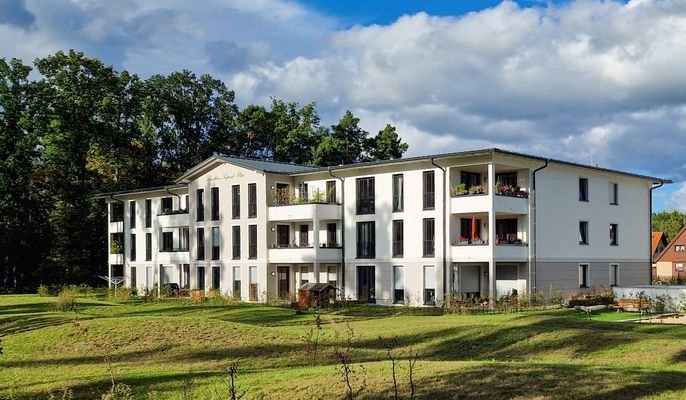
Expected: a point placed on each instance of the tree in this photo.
(669, 223)
(387, 145)
(354, 140)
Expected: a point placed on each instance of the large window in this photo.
(252, 241)
(237, 282)
(166, 205)
(116, 212)
(200, 284)
(506, 230)
(304, 275)
(283, 236)
(116, 243)
(506, 179)
(614, 274)
(583, 275)
(304, 236)
(132, 214)
(429, 185)
(331, 237)
(252, 200)
(398, 235)
(235, 201)
(216, 278)
(365, 195)
(134, 278)
(133, 247)
(398, 284)
(583, 189)
(366, 240)
(148, 246)
(398, 193)
(200, 205)
(470, 178)
(429, 285)
(215, 203)
(429, 236)
(252, 272)
(200, 241)
(331, 192)
(467, 225)
(614, 241)
(215, 243)
(614, 194)
(304, 192)
(583, 232)
(236, 241)
(148, 213)
(332, 278)
(167, 241)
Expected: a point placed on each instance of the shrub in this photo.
(43, 291)
(122, 294)
(597, 296)
(66, 300)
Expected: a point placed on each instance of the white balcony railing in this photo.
(304, 212)
(304, 254)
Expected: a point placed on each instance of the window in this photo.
(201, 278)
(331, 192)
(429, 235)
(583, 189)
(366, 245)
(133, 247)
(252, 200)
(429, 285)
(166, 205)
(331, 239)
(134, 280)
(429, 185)
(252, 241)
(167, 241)
(614, 194)
(398, 193)
(583, 275)
(148, 246)
(148, 213)
(200, 244)
(466, 228)
(214, 205)
(253, 282)
(398, 284)
(200, 205)
(283, 238)
(235, 201)
(614, 274)
(304, 196)
(184, 239)
(215, 243)
(613, 235)
(679, 267)
(216, 277)
(332, 278)
(506, 230)
(116, 212)
(365, 195)
(237, 282)
(470, 179)
(132, 214)
(236, 241)
(398, 235)
(506, 179)
(679, 247)
(583, 232)
(304, 236)
(304, 275)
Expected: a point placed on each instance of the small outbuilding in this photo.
(315, 295)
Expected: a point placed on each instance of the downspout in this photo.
(650, 248)
(123, 242)
(532, 217)
(342, 230)
(445, 231)
(174, 194)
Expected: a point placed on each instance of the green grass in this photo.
(160, 348)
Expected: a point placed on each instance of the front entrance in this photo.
(467, 279)
(366, 284)
(284, 281)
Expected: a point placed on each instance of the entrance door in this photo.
(284, 281)
(366, 284)
(471, 280)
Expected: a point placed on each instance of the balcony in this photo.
(304, 212)
(173, 256)
(511, 200)
(511, 252)
(469, 203)
(173, 219)
(308, 254)
(465, 250)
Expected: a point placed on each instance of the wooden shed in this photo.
(315, 295)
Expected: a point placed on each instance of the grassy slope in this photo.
(158, 346)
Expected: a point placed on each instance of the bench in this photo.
(634, 304)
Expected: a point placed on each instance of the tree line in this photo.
(71, 127)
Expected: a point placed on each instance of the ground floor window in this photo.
(583, 275)
(133, 278)
(237, 282)
(253, 283)
(201, 278)
(149, 278)
(429, 285)
(332, 278)
(614, 274)
(399, 284)
(366, 284)
(304, 275)
(216, 278)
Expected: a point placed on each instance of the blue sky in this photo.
(590, 81)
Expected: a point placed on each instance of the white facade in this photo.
(310, 225)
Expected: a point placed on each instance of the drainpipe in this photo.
(650, 248)
(532, 224)
(445, 230)
(174, 194)
(342, 230)
(123, 242)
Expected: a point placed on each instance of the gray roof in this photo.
(266, 166)
(107, 195)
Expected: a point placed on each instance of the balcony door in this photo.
(283, 275)
(366, 284)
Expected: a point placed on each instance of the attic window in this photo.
(679, 247)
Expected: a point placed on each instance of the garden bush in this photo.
(66, 300)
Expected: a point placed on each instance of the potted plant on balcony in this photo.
(462, 240)
(318, 196)
(459, 190)
(522, 192)
(476, 189)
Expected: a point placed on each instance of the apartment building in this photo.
(482, 223)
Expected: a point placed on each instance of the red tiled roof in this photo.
(657, 236)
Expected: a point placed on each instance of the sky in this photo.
(589, 81)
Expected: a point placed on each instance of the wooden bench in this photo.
(633, 304)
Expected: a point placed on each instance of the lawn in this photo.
(177, 350)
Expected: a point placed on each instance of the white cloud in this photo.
(677, 201)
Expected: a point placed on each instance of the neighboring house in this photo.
(398, 231)
(671, 261)
(659, 243)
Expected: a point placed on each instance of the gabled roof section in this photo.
(273, 167)
(657, 238)
(677, 239)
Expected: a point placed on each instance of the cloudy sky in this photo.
(596, 82)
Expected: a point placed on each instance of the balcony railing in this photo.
(463, 190)
(511, 191)
(286, 198)
(169, 211)
(291, 246)
(470, 242)
(173, 249)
